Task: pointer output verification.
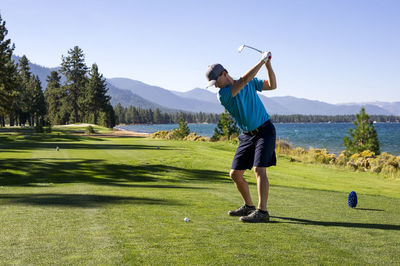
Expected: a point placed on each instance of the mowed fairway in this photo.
(122, 200)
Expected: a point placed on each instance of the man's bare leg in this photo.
(262, 187)
(241, 185)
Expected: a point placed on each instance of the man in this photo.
(257, 143)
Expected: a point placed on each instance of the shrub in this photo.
(89, 130)
(194, 137)
(162, 134)
(342, 159)
(366, 160)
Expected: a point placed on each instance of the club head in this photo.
(241, 48)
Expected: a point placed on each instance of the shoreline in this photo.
(123, 132)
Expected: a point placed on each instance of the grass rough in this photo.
(115, 201)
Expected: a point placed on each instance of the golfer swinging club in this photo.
(257, 143)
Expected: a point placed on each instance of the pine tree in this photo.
(8, 73)
(23, 100)
(95, 99)
(157, 117)
(119, 114)
(36, 102)
(55, 96)
(39, 104)
(182, 131)
(363, 137)
(107, 116)
(24, 69)
(226, 127)
(73, 67)
(183, 127)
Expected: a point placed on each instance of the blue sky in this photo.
(332, 51)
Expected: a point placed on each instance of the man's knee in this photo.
(236, 175)
(260, 172)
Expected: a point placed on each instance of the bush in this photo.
(89, 130)
(162, 134)
(342, 159)
(365, 161)
(175, 134)
(194, 137)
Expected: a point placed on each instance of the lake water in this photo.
(323, 136)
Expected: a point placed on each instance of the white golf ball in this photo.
(186, 219)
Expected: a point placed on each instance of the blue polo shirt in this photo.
(246, 107)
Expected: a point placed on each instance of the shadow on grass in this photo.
(32, 172)
(364, 209)
(28, 141)
(339, 224)
(79, 146)
(77, 200)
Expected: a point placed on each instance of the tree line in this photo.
(81, 98)
(135, 115)
(330, 118)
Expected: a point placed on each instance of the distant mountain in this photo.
(287, 105)
(392, 108)
(165, 97)
(132, 92)
(206, 95)
(274, 107)
(127, 98)
(352, 109)
(200, 94)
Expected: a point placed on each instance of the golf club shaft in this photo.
(254, 49)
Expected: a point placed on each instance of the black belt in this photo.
(257, 130)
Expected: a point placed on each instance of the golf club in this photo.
(240, 49)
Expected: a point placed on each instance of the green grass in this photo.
(123, 201)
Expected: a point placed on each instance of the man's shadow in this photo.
(338, 224)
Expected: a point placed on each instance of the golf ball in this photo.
(186, 219)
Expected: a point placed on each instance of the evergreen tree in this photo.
(23, 99)
(8, 73)
(95, 98)
(363, 137)
(39, 102)
(182, 131)
(73, 67)
(157, 117)
(226, 127)
(107, 116)
(119, 114)
(55, 96)
(183, 128)
(36, 102)
(24, 69)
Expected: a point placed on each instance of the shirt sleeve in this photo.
(225, 96)
(258, 83)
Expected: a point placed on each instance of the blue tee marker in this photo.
(352, 200)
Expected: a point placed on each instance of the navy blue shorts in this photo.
(257, 149)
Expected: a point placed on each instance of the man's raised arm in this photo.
(269, 84)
